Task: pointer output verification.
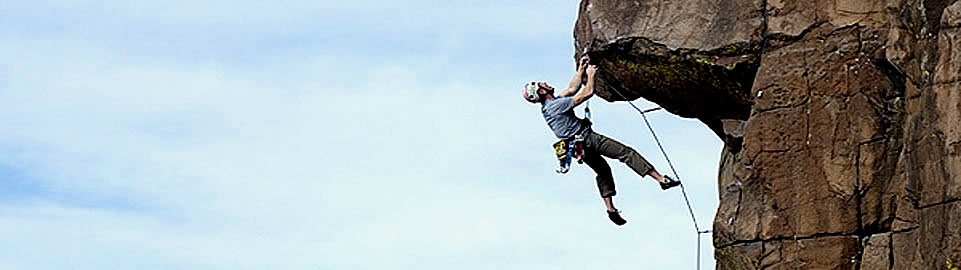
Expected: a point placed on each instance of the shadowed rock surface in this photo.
(706, 51)
(841, 120)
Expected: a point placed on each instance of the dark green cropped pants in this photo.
(597, 147)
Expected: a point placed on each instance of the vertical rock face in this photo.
(841, 120)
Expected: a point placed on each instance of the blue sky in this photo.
(316, 135)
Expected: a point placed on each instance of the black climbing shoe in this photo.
(670, 183)
(616, 217)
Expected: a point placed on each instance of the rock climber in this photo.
(558, 111)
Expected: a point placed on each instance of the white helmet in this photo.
(530, 92)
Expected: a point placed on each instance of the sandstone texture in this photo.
(841, 120)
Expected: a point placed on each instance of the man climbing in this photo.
(559, 113)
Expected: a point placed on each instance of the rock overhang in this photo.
(693, 64)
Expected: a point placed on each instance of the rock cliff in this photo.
(841, 120)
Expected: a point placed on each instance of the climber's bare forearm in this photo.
(575, 84)
(588, 90)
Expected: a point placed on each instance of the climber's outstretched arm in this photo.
(588, 90)
(575, 84)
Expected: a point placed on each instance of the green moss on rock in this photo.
(727, 258)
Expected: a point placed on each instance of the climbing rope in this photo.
(587, 109)
(669, 164)
(687, 201)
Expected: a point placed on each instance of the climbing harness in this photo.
(690, 209)
(572, 148)
(568, 149)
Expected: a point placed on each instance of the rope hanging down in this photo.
(587, 109)
(669, 164)
(687, 201)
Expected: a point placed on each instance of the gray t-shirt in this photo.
(559, 113)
